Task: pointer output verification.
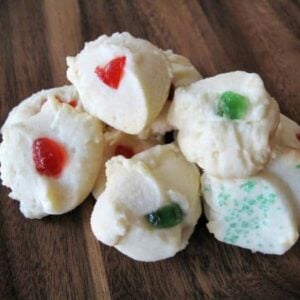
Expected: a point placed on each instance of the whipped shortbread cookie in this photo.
(225, 123)
(122, 80)
(50, 156)
(117, 142)
(252, 213)
(145, 211)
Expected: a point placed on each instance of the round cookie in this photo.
(50, 157)
(145, 211)
(225, 124)
(122, 80)
(252, 213)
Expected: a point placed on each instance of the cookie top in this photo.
(225, 123)
(119, 143)
(145, 211)
(252, 213)
(50, 156)
(122, 80)
(32, 105)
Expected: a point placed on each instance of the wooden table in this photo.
(58, 257)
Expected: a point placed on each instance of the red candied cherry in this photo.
(298, 136)
(112, 73)
(124, 151)
(72, 102)
(49, 156)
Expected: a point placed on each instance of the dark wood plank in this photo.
(58, 257)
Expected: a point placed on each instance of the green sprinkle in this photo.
(245, 224)
(227, 219)
(298, 166)
(232, 105)
(223, 198)
(251, 202)
(248, 186)
(165, 217)
(207, 189)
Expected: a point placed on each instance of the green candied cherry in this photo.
(232, 105)
(165, 217)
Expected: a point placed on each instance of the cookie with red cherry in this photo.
(50, 153)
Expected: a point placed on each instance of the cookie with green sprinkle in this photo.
(226, 123)
(253, 213)
(150, 205)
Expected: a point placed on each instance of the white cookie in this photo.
(122, 80)
(252, 213)
(137, 188)
(118, 143)
(224, 147)
(43, 180)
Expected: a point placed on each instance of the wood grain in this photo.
(58, 257)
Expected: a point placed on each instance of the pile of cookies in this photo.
(110, 134)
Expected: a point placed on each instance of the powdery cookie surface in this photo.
(77, 134)
(138, 186)
(32, 105)
(159, 127)
(252, 213)
(183, 73)
(285, 165)
(122, 80)
(227, 148)
(287, 133)
(119, 143)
